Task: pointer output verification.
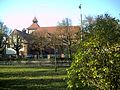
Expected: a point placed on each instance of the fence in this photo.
(59, 63)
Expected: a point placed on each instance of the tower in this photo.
(34, 26)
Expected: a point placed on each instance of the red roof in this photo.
(51, 29)
(47, 29)
(54, 29)
(34, 26)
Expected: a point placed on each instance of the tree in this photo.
(1, 33)
(66, 35)
(4, 32)
(18, 40)
(40, 41)
(15, 40)
(96, 64)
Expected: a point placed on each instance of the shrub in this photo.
(96, 64)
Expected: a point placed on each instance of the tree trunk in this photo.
(17, 50)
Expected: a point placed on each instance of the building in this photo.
(33, 27)
(21, 41)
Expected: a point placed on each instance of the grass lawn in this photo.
(32, 78)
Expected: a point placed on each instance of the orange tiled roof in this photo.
(55, 28)
(34, 26)
(47, 29)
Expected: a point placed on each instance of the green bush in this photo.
(96, 65)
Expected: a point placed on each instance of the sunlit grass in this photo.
(40, 77)
(32, 78)
(22, 69)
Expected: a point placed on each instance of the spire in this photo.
(35, 20)
(34, 25)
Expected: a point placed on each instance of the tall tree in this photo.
(1, 33)
(16, 41)
(4, 31)
(97, 62)
(66, 34)
(40, 41)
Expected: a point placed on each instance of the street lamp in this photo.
(55, 60)
(81, 22)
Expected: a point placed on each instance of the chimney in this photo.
(24, 30)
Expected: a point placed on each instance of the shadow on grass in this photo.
(34, 84)
(15, 78)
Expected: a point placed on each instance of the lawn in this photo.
(32, 78)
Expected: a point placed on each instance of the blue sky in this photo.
(20, 13)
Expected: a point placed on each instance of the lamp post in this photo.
(55, 51)
(55, 60)
(81, 22)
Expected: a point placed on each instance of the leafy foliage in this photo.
(96, 64)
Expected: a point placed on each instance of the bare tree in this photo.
(16, 41)
(39, 42)
(4, 32)
(66, 36)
